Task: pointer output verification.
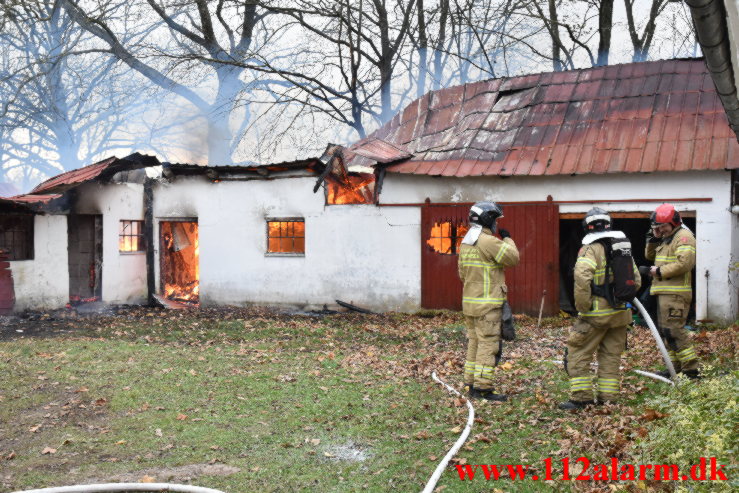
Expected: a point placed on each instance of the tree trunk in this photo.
(605, 25)
(219, 129)
(439, 48)
(385, 65)
(556, 52)
(423, 42)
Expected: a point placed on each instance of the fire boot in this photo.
(691, 374)
(487, 395)
(573, 405)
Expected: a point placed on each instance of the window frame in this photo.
(141, 236)
(268, 220)
(30, 250)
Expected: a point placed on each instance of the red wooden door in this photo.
(534, 226)
(440, 284)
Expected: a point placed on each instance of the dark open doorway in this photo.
(180, 260)
(85, 256)
(634, 226)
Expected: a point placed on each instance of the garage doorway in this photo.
(633, 224)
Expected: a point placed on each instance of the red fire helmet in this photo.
(666, 213)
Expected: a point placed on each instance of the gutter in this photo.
(712, 31)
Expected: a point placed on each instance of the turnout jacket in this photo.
(481, 271)
(675, 257)
(590, 267)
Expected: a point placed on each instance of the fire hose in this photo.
(457, 445)
(657, 339)
(123, 487)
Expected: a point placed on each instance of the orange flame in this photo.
(181, 263)
(445, 235)
(359, 189)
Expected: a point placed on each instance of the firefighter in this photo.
(482, 258)
(600, 327)
(671, 246)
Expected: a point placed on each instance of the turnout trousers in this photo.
(608, 343)
(672, 314)
(483, 343)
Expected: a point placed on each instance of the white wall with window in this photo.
(124, 271)
(360, 254)
(42, 282)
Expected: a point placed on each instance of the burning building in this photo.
(306, 232)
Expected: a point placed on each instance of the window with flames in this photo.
(286, 236)
(357, 189)
(446, 237)
(131, 236)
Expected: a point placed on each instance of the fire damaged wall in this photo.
(43, 282)
(123, 273)
(355, 253)
(717, 243)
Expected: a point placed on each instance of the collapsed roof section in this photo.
(341, 185)
(637, 117)
(287, 169)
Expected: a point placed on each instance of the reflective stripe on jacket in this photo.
(481, 271)
(675, 257)
(591, 266)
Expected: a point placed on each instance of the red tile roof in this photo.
(110, 166)
(75, 176)
(34, 199)
(639, 117)
(380, 151)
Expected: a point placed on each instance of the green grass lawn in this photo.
(247, 400)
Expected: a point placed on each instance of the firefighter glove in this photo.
(504, 233)
(651, 238)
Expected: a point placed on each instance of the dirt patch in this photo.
(179, 474)
(26, 431)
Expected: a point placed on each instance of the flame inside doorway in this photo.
(180, 260)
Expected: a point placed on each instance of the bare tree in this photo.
(61, 105)
(370, 31)
(200, 43)
(643, 42)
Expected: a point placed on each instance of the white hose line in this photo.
(457, 445)
(122, 487)
(655, 376)
(657, 337)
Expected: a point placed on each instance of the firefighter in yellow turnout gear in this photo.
(671, 246)
(600, 328)
(482, 258)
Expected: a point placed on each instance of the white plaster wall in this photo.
(717, 237)
(124, 273)
(358, 254)
(43, 283)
